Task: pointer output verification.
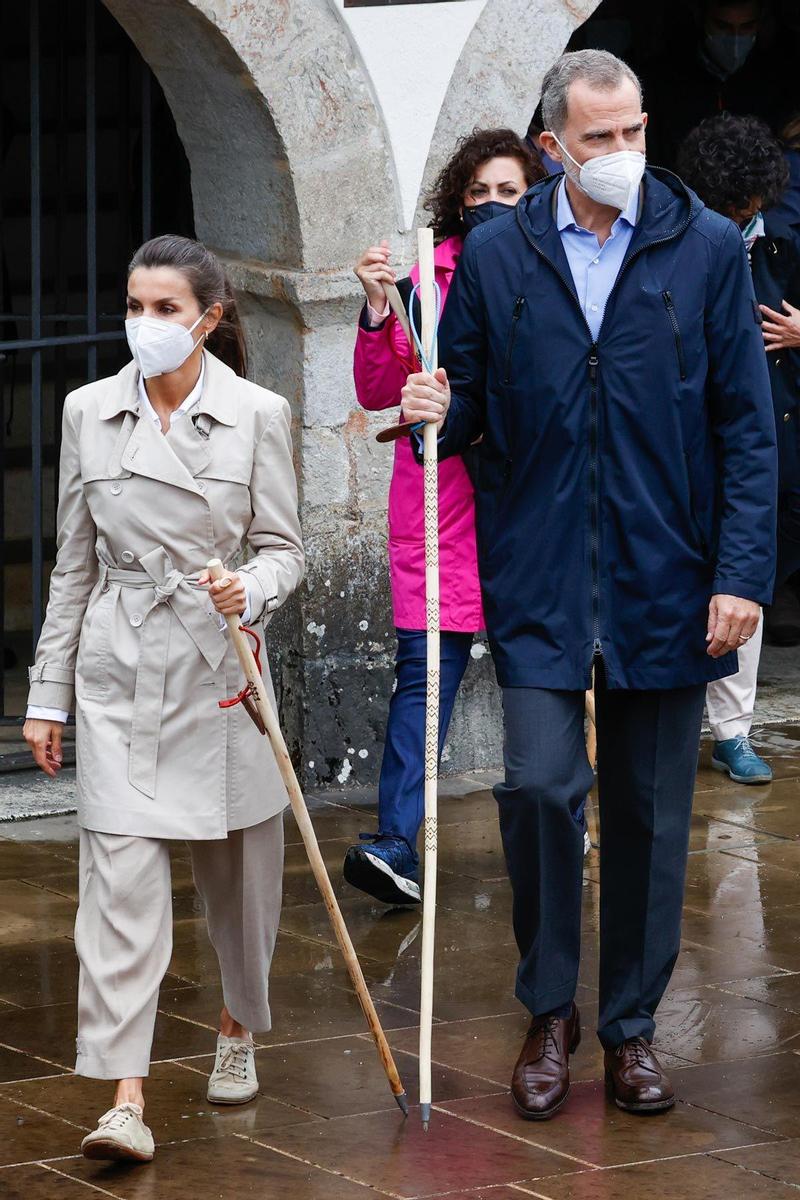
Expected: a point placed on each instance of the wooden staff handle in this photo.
(253, 677)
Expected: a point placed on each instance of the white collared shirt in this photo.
(39, 712)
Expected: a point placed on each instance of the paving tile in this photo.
(771, 809)
(779, 1161)
(176, 1105)
(763, 1092)
(16, 1065)
(217, 1168)
(29, 913)
(39, 972)
(344, 1076)
(590, 1130)
(709, 1025)
(697, 1177)
(23, 860)
(194, 958)
(300, 886)
(383, 935)
(720, 885)
(50, 1033)
(781, 853)
(27, 1135)
(783, 991)
(41, 1183)
(398, 1156)
(304, 1007)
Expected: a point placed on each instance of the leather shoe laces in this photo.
(545, 1029)
(639, 1051)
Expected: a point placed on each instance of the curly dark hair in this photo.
(446, 197)
(728, 160)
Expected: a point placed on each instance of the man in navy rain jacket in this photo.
(605, 342)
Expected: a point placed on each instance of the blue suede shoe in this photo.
(384, 867)
(739, 760)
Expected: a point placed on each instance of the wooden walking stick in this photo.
(429, 303)
(254, 694)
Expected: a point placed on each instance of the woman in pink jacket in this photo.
(486, 176)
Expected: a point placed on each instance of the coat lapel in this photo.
(189, 442)
(149, 453)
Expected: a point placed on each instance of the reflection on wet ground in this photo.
(325, 1125)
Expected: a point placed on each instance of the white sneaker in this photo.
(233, 1080)
(121, 1134)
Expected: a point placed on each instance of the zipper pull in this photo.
(598, 648)
(593, 364)
(519, 304)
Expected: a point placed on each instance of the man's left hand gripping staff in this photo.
(426, 397)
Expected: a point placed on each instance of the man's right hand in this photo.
(426, 397)
(373, 271)
(44, 739)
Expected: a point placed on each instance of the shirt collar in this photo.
(147, 409)
(565, 218)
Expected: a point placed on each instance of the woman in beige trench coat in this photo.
(173, 461)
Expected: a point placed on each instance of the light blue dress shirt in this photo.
(594, 267)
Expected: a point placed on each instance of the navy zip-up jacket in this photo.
(619, 483)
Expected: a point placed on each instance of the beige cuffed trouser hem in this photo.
(123, 936)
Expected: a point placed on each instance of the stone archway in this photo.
(290, 174)
(499, 74)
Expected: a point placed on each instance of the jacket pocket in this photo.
(697, 529)
(519, 305)
(94, 647)
(676, 332)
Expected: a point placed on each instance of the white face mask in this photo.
(160, 346)
(611, 179)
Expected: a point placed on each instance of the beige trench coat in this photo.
(126, 632)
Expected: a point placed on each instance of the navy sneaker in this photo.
(384, 867)
(739, 760)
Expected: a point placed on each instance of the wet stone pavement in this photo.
(325, 1126)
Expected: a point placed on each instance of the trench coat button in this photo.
(136, 620)
(201, 485)
(127, 556)
(787, 416)
(116, 488)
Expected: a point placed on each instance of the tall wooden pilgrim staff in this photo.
(254, 698)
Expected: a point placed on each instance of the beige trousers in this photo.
(123, 936)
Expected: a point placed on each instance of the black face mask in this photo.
(471, 218)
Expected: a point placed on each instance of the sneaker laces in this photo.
(116, 1118)
(742, 746)
(234, 1060)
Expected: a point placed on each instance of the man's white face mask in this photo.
(611, 179)
(158, 346)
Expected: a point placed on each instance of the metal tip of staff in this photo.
(402, 1103)
(425, 1113)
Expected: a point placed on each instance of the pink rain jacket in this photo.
(382, 362)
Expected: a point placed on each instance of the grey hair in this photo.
(598, 68)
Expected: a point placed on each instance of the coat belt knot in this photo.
(174, 594)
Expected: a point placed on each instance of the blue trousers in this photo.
(647, 744)
(401, 804)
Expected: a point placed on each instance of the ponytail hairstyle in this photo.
(210, 285)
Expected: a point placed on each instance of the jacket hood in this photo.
(668, 205)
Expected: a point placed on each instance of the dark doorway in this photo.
(92, 165)
(665, 44)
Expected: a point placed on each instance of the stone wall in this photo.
(294, 171)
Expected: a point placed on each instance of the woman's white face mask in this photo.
(158, 346)
(610, 179)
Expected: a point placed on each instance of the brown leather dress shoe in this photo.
(636, 1078)
(540, 1083)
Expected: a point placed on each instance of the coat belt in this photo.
(178, 592)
